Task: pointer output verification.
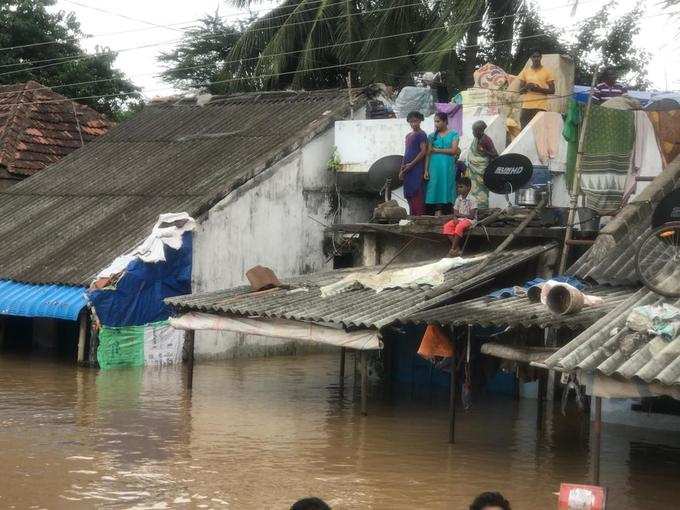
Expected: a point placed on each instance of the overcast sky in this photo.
(658, 37)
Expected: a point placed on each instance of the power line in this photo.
(119, 15)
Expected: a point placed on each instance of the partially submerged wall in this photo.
(267, 221)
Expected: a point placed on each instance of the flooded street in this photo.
(262, 433)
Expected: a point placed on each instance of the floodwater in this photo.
(259, 434)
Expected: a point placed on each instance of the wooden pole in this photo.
(342, 367)
(575, 185)
(189, 339)
(452, 402)
(364, 382)
(597, 441)
(540, 397)
(82, 336)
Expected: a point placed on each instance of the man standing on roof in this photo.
(608, 87)
(537, 83)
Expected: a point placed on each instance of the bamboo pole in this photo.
(597, 440)
(189, 338)
(576, 184)
(82, 336)
(452, 400)
(364, 382)
(342, 367)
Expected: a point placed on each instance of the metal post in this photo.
(342, 367)
(364, 381)
(82, 336)
(189, 339)
(576, 185)
(452, 401)
(597, 440)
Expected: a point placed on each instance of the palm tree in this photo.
(316, 43)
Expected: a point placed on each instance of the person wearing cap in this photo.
(537, 83)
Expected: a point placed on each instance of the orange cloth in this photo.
(435, 342)
(667, 128)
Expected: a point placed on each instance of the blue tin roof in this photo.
(51, 301)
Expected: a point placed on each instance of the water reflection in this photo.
(261, 433)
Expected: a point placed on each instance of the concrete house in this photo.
(251, 169)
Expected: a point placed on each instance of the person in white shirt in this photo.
(465, 213)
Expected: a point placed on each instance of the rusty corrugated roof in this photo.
(38, 127)
(610, 348)
(357, 308)
(519, 311)
(69, 221)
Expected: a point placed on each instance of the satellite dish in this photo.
(508, 173)
(385, 168)
(667, 210)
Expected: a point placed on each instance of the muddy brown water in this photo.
(262, 433)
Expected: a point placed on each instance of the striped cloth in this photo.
(606, 159)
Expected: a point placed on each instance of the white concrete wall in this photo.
(266, 222)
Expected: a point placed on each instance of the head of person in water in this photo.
(490, 501)
(310, 504)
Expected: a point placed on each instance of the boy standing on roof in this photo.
(538, 83)
(465, 212)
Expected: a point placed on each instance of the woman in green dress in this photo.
(480, 154)
(441, 166)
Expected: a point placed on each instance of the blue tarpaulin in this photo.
(137, 298)
(51, 301)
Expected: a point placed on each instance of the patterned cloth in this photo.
(477, 159)
(606, 159)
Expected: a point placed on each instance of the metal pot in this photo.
(526, 196)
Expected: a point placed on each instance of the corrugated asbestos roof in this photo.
(610, 348)
(52, 301)
(361, 308)
(38, 127)
(68, 222)
(519, 311)
(611, 260)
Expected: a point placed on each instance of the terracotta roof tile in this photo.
(34, 135)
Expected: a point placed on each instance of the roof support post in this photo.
(189, 340)
(82, 336)
(540, 398)
(597, 440)
(364, 382)
(342, 368)
(452, 399)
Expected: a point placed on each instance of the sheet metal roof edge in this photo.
(48, 301)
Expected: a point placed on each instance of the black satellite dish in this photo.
(508, 173)
(385, 168)
(667, 210)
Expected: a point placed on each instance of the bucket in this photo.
(564, 299)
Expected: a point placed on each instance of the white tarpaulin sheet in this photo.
(280, 328)
(429, 274)
(167, 231)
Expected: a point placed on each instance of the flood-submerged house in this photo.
(251, 170)
(39, 127)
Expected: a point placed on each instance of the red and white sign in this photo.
(581, 497)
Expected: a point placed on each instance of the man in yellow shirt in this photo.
(537, 83)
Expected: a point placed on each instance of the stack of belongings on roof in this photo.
(664, 113)
(127, 297)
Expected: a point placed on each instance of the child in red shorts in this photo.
(465, 212)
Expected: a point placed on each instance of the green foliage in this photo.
(333, 164)
(200, 57)
(603, 43)
(27, 23)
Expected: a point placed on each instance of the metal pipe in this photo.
(575, 185)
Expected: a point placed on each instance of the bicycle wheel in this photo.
(657, 260)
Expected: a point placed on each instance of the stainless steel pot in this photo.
(526, 197)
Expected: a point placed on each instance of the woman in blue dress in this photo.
(440, 170)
